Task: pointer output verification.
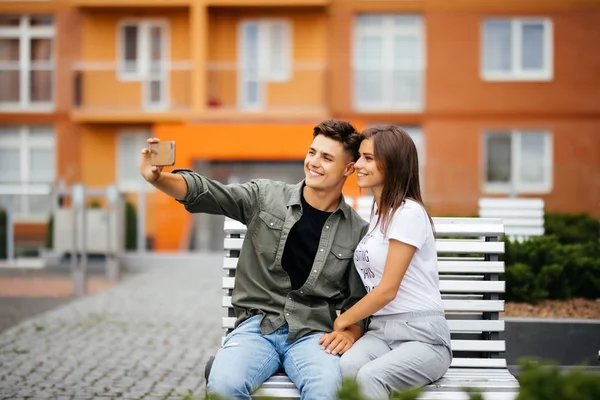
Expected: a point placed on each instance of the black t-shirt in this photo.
(302, 243)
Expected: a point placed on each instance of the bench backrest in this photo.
(522, 218)
(468, 250)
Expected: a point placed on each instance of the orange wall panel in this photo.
(100, 44)
(306, 86)
(98, 154)
(454, 83)
(453, 174)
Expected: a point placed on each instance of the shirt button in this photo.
(301, 292)
(271, 224)
(287, 314)
(339, 255)
(315, 271)
(321, 249)
(326, 226)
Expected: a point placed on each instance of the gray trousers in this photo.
(399, 351)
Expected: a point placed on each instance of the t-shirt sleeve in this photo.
(409, 225)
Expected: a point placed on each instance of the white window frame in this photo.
(387, 30)
(518, 187)
(143, 72)
(24, 33)
(140, 135)
(265, 73)
(24, 143)
(517, 73)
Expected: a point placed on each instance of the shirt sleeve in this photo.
(204, 195)
(409, 225)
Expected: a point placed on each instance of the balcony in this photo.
(116, 92)
(266, 3)
(131, 3)
(299, 92)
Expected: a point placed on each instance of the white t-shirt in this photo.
(419, 290)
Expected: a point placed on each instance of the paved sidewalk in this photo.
(145, 338)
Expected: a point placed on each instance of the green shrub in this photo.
(130, 226)
(544, 381)
(522, 284)
(49, 240)
(572, 228)
(562, 264)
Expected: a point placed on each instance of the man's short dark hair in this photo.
(343, 132)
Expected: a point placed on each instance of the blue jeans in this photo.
(248, 358)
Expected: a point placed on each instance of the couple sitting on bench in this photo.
(306, 252)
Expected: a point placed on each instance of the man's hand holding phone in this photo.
(156, 156)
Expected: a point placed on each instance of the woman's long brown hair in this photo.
(396, 156)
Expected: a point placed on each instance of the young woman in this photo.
(407, 343)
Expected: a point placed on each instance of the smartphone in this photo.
(162, 154)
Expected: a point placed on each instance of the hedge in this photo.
(564, 263)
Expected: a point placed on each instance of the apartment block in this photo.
(501, 97)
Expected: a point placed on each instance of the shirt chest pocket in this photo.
(337, 263)
(267, 234)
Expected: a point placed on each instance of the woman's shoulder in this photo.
(411, 207)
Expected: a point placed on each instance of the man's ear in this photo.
(349, 170)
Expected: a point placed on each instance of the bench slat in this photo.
(511, 213)
(477, 267)
(449, 305)
(471, 286)
(525, 231)
(445, 286)
(507, 395)
(457, 267)
(455, 325)
(444, 226)
(442, 246)
(497, 385)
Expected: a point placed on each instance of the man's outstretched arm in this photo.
(200, 194)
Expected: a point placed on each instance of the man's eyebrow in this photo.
(322, 152)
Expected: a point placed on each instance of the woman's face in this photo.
(369, 175)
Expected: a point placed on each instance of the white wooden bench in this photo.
(470, 286)
(522, 218)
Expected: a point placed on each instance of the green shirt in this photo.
(269, 209)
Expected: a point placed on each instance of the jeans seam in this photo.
(260, 370)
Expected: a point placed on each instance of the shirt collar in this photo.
(296, 199)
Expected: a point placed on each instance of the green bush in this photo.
(562, 264)
(572, 228)
(49, 240)
(130, 226)
(3, 250)
(544, 381)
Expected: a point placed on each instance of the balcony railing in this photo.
(112, 87)
(300, 90)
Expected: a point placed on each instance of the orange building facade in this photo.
(500, 98)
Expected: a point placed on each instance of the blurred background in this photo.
(501, 97)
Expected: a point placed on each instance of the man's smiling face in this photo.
(326, 163)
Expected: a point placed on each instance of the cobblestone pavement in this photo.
(146, 338)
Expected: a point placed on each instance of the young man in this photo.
(295, 266)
